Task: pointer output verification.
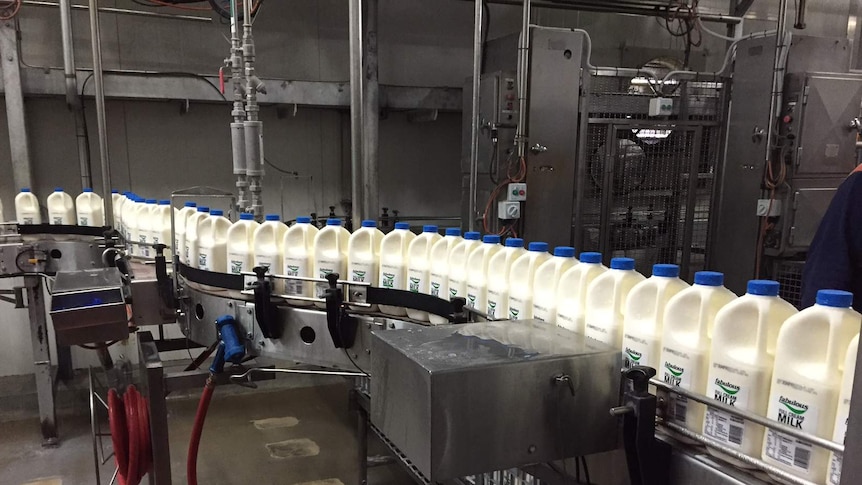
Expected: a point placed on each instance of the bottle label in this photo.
(835, 462)
(495, 296)
(203, 259)
(785, 449)
(58, 220)
(362, 272)
(721, 426)
(145, 248)
(677, 370)
(324, 268)
(391, 276)
(417, 281)
(237, 263)
(541, 312)
(82, 221)
(295, 267)
(436, 282)
(28, 220)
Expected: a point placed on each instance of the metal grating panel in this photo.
(789, 275)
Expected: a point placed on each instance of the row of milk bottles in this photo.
(88, 209)
(143, 223)
(755, 353)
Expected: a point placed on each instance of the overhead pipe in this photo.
(782, 39)
(73, 100)
(801, 5)
(237, 127)
(123, 11)
(370, 115)
(98, 82)
(523, 74)
(627, 8)
(356, 105)
(478, 13)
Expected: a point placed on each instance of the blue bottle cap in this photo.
(333, 222)
(115, 191)
(472, 236)
(665, 270)
(491, 239)
(402, 225)
(541, 247)
(514, 242)
(429, 228)
(303, 220)
(164, 202)
(564, 251)
(592, 258)
(58, 189)
(453, 231)
(246, 216)
(623, 263)
(190, 204)
(216, 212)
(151, 201)
(25, 189)
(272, 217)
(87, 190)
(203, 209)
(763, 287)
(365, 223)
(709, 278)
(835, 298)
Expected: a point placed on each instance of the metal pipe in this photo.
(73, 100)
(237, 128)
(478, 26)
(781, 40)
(800, 14)
(19, 146)
(523, 74)
(355, 20)
(123, 11)
(253, 127)
(98, 81)
(639, 9)
(370, 115)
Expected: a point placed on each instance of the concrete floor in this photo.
(286, 436)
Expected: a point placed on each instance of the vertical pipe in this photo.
(781, 37)
(22, 171)
(254, 156)
(237, 128)
(371, 117)
(72, 98)
(355, 19)
(478, 12)
(523, 75)
(98, 81)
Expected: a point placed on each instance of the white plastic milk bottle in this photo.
(128, 209)
(117, 200)
(141, 226)
(687, 336)
(393, 263)
(240, 244)
(27, 208)
(572, 291)
(330, 254)
(458, 264)
(740, 364)
(477, 271)
(522, 274)
(497, 306)
(643, 324)
(268, 245)
(547, 279)
(419, 266)
(806, 381)
(192, 228)
(298, 258)
(131, 224)
(439, 274)
(181, 219)
(61, 208)
(212, 242)
(146, 221)
(605, 302)
(363, 255)
(842, 415)
(160, 224)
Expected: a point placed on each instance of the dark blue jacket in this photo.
(835, 257)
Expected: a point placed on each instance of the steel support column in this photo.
(42, 359)
(356, 176)
(478, 26)
(370, 116)
(98, 82)
(22, 172)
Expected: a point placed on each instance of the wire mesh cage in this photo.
(789, 276)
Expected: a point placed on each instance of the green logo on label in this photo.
(453, 292)
(727, 387)
(435, 289)
(634, 356)
(359, 275)
(676, 371)
(414, 285)
(794, 407)
(513, 313)
(388, 280)
(292, 270)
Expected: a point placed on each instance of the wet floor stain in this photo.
(296, 448)
(274, 423)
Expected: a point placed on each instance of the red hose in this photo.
(130, 433)
(197, 430)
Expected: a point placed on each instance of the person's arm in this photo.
(834, 252)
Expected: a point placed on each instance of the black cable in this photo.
(279, 169)
(492, 166)
(487, 22)
(179, 74)
(586, 470)
(98, 346)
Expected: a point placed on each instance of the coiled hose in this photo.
(197, 430)
(130, 432)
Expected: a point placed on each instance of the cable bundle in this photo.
(130, 432)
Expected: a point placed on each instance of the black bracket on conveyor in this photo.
(452, 310)
(648, 459)
(342, 327)
(264, 308)
(166, 290)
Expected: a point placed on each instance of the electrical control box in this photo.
(516, 192)
(508, 210)
(660, 107)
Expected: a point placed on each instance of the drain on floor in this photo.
(273, 423)
(293, 448)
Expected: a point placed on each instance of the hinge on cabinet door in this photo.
(805, 92)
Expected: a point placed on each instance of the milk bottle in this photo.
(128, 209)
(90, 209)
(497, 306)
(547, 279)
(330, 254)
(477, 271)
(61, 208)
(117, 200)
(146, 221)
(141, 226)
(27, 208)
(131, 224)
(240, 244)
(212, 242)
(806, 381)
(842, 415)
(268, 245)
(363, 255)
(644, 315)
(298, 245)
(160, 227)
(439, 274)
(192, 228)
(458, 264)
(393, 263)
(419, 266)
(180, 225)
(605, 302)
(521, 277)
(572, 291)
(740, 364)
(687, 336)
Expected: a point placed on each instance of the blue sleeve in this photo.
(833, 258)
